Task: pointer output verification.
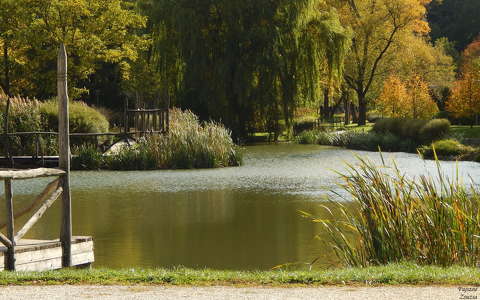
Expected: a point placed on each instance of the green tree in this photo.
(378, 27)
(246, 63)
(94, 31)
(13, 23)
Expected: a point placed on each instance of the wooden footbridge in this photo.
(39, 255)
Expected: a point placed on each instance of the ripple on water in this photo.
(294, 169)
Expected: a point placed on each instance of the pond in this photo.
(233, 218)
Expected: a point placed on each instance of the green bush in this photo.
(445, 149)
(308, 137)
(421, 131)
(23, 116)
(83, 118)
(435, 130)
(28, 115)
(191, 144)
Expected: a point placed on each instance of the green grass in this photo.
(446, 149)
(395, 274)
(466, 131)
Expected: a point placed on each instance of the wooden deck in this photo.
(44, 255)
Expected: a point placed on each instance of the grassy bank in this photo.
(402, 135)
(394, 274)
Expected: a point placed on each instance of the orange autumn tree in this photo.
(411, 99)
(465, 98)
(393, 98)
(421, 104)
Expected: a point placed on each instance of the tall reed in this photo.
(427, 220)
(188, 144)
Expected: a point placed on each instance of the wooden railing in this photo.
(146, 121)
(48, 196)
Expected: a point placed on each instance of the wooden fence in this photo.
(137, 123)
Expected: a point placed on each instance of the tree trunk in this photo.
(362, 109)
(353, 112)
(346, 107)
(326, 104)
(6, 68)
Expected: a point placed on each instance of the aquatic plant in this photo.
(188, 144)
(427, 220)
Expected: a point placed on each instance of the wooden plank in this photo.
(39, 255)
(64, 156)
(5, 240)
(29, 174)
(40, 212)
(39, 266)
(83, 258)
(10, 257)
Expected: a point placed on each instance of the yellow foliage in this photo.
(406, 100)
(465, 98)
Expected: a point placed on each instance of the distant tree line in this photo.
(248, 64)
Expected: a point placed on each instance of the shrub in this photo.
(308, 137)
(191, 144)
(435, 130)
(445, 149)
(136, 157)
(83, 118)
(301, 126)
(28, 115)
(420, 131)
(396, 218)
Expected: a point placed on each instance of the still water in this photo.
(233, 218)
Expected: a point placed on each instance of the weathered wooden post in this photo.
(64, 157)
(10, 255)
(125, 118)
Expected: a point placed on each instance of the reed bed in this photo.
(189, 144)
(192, 144)
(429, 220)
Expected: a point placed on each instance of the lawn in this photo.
(395, 274)
(466, 131)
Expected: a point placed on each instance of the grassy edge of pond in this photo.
(394, 274)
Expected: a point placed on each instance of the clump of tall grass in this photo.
(188, 144)
(427, 220)
(191, 144)
(446, 149)
(87, 158)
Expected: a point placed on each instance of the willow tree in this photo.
(246, 63)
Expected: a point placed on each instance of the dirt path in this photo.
(162, 292)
